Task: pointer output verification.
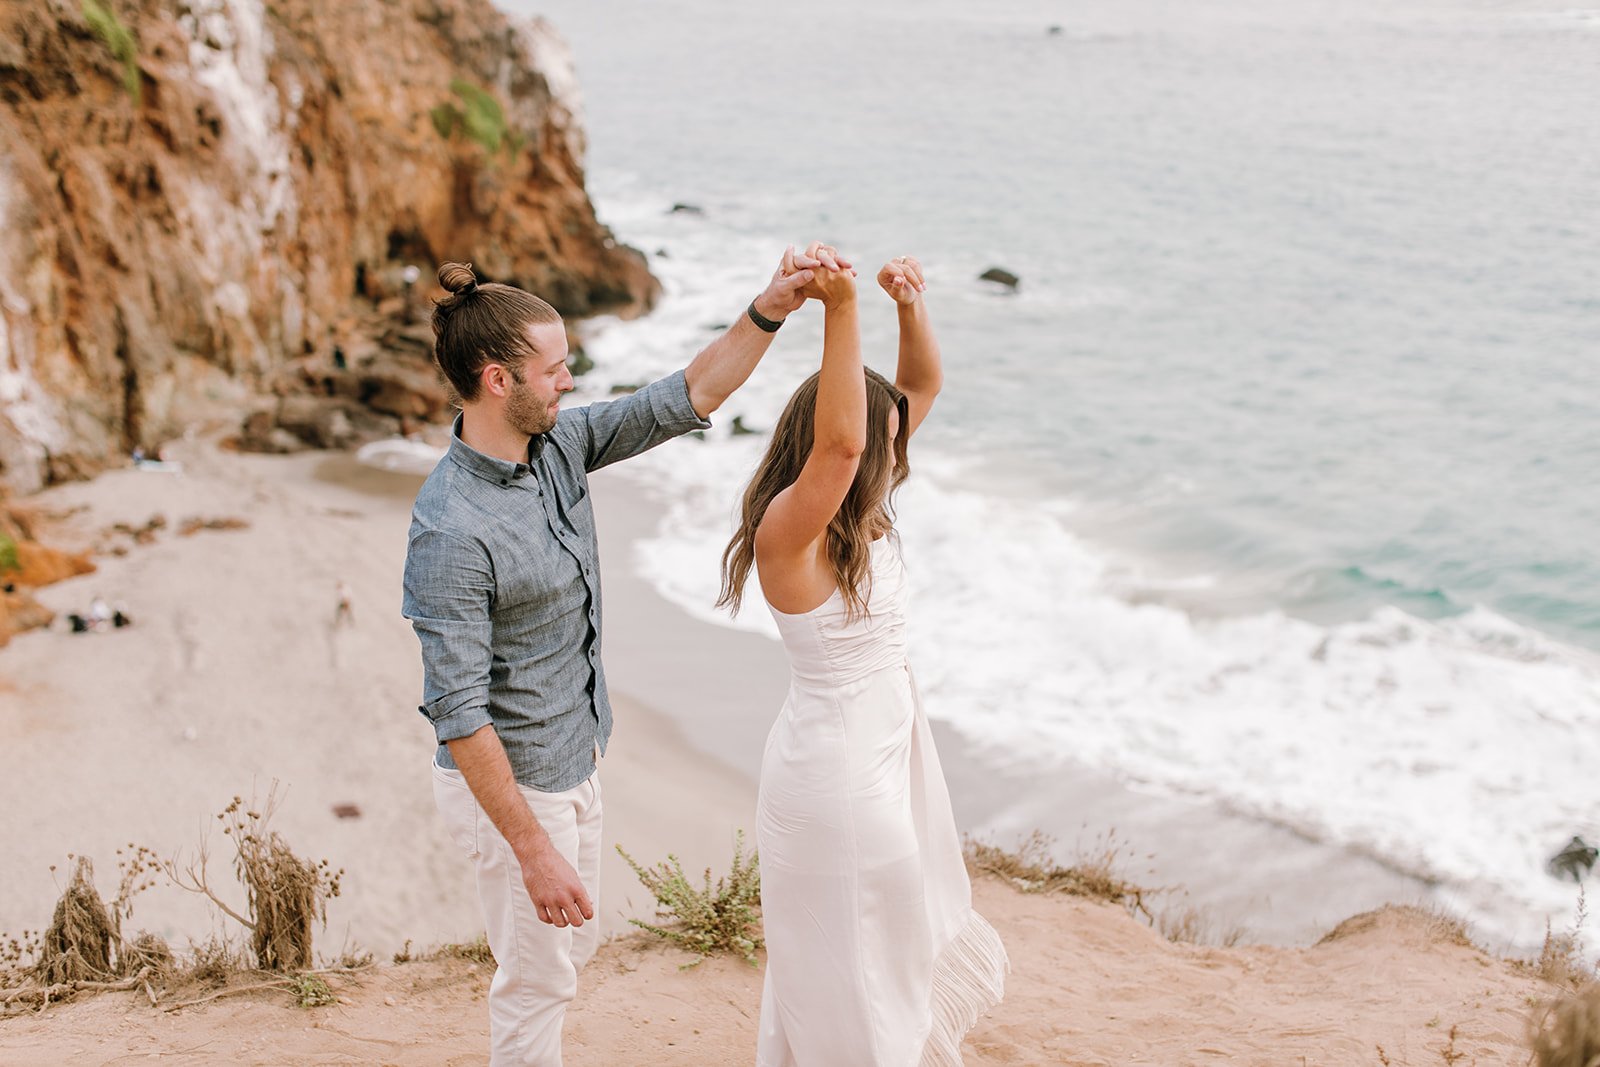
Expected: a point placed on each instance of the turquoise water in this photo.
(1311, 292)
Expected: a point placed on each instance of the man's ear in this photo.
(495, 379)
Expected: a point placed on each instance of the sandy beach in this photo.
(236, 674)
(1089, 987)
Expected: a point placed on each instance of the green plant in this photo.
(310, 991)
(479, 116)
(706, 919)
(445, 119)
(119, 41)
(8, 553)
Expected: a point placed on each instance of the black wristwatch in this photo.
(761, 321)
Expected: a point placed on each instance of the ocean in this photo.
(1274, 482)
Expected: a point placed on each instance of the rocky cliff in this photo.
(201, 199)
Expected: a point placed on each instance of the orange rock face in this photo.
(42, 565)
(193, 196)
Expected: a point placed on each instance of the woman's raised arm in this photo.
(919, 374)
(798, 517)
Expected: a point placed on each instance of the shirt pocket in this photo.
(578, 512)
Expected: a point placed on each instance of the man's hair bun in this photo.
(457, 278)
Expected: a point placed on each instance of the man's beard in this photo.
(527, 413)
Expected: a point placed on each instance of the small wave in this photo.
(400, 454)
(1582, 18)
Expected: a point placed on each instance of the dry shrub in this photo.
(1190, 927)
(1567, 1034)
(477, 951)
(18, 955)
(150, 953)
(83, 948)
(1560, 961)
(1031, 868)
(212, 962)
(285, 894)
(78, 945)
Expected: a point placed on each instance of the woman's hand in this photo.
(901, 278)
(834, 281)
(832, 287)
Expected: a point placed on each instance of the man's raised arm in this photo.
(725, 364)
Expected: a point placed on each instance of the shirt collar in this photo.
(489, 468)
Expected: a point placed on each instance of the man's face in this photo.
(532, 404)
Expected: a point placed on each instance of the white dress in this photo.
(874, 954)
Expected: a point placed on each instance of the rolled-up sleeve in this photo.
(614, 430)
(449, 590)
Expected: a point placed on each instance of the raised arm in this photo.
(725, 364)
(919, 374)
(791, 540)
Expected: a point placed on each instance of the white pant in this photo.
(538, 964)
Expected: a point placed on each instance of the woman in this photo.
(874, 954)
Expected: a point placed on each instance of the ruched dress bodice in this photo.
(827, 648)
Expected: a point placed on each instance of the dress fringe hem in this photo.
(969, 978)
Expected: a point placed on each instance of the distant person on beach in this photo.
(502, 587)
(874, 952)
(345, 613)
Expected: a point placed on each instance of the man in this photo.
(502, 587)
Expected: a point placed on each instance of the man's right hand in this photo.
(554, 887)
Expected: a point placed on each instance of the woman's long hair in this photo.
(867, 509)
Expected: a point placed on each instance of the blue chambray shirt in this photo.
(502, 585)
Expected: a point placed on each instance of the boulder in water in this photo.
(1000, 276)
(1578, 855)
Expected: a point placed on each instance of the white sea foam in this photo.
(1451, 750)
(400, 454)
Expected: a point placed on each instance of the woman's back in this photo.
(828, 648)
